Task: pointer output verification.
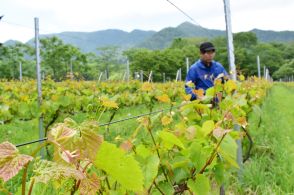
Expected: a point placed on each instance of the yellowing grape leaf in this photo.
(61, 133)
(190, 84)
(45, 171)
(89, 140)
(147, 87)
(166, 120)
(241, 77)
(186, 97)
(219, 132)
(90, 185)
(190, 132)
(242, 121)
(81, 141)
(11, 161)
(109, 103)
(229, 86)
(145, 121)
(163, 98)
(126, 145)
(199, 93)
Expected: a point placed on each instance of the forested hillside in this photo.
(60, 60)
(89, 41)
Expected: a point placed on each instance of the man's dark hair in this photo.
(206, 46)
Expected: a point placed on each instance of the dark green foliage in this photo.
(177, 44)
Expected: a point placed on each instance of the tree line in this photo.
(58, 59)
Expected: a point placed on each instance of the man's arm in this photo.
(190, 86)
(221, 73)
(189, 90)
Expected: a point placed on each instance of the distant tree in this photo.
(245, 39)
(141, 59)
(288, 51)
(57, 58)
(270, 57)
(11, 56)
(110, 60)
(286, 70)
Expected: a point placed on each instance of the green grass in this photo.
(270, 170)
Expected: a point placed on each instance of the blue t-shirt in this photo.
(203, 76)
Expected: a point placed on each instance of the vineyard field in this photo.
(166, 144)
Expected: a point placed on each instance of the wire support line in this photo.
(195, 22)
(183, 12)
(133, 117)
(20, 25)
(31, 142)
(105, 124)
(46, 33)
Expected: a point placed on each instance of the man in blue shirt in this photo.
(204, 71)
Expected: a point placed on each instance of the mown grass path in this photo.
(270, 169)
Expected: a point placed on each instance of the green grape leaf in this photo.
(207, 127)
(24, 110)
(142, 151)
(199, 154)
(181, 174)
(180, 161)
(123, 168)
(219, 173)
(64, 101)
(4, 113)
(201, 186)
(210, 92)
(11, 161)
(228, 150)
(150, 170)
(165, 187)
(170, 139)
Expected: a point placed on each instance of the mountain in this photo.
(11, 42)
(270, 36)
(164, 37)
(90, 41)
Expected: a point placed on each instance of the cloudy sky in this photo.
(91, 15)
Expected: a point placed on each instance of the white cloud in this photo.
(91, 15)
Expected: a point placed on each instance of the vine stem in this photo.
(153, 140)
(209, 161)
(78, 183)
(101, 114)
(158, 188)
(31, 187)
(24, 176)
